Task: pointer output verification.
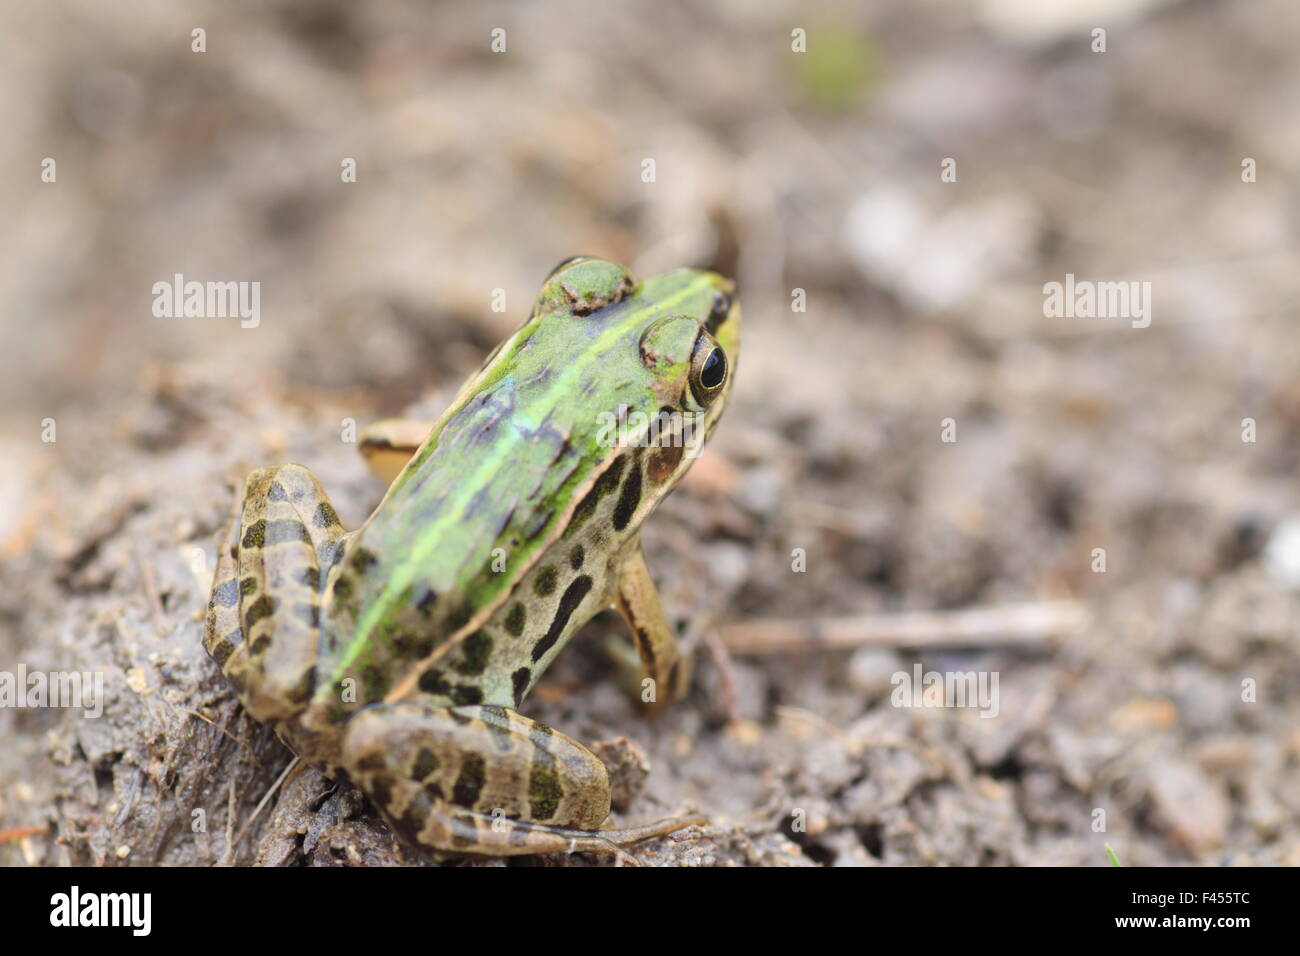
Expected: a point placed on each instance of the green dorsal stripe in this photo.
(565, 383)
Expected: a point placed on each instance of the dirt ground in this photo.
(1160, 716)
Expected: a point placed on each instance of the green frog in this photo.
(395, 656)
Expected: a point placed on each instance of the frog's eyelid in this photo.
(566, 262)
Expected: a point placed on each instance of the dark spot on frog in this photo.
(475, 651)
(459, 617)
(569, 602)
(412, 646)
(277, 492)
(325, 516)
(432, 682)
(576, 557)
(543, 791)
(516, 618)
(425, 764)
(426, 603)
(519, 681)
(469, 783)
(255, 535)
(603, 486)
(630, 496)
(261, 608)
(544, 583)
(226, 646)
(464, 695)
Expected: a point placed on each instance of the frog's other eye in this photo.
(718, 311)
(708, 369)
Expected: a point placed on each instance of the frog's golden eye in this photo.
(708, 369)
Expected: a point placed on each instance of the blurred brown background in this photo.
(817, 171)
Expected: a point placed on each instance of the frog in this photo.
(395, 657)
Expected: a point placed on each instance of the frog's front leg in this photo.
(389, 444)
(484, 779)
(663, 661)
(264, 616)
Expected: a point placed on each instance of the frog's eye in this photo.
(708, 369)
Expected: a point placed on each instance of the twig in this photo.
(211, 723)
(151, 592)
(726, 672)
(295, 764)
(1000, 625)
(17, 833)
(228, 858)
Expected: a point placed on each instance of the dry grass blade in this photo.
(974, 627)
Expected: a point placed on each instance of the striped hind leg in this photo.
(487, 780)
(264, 617)
(223, 632)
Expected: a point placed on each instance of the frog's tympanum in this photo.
(395, 656)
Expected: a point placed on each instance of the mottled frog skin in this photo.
(395, 656)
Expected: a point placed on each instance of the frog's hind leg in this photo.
(484, 779)
(264, 618)
(223, 633)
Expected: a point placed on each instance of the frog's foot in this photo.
(264, 616)
(665, 671)
(389, 444)
(484, 779)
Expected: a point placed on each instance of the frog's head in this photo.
(662, 351)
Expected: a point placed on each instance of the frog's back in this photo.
(489, 491)
(518, 462)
